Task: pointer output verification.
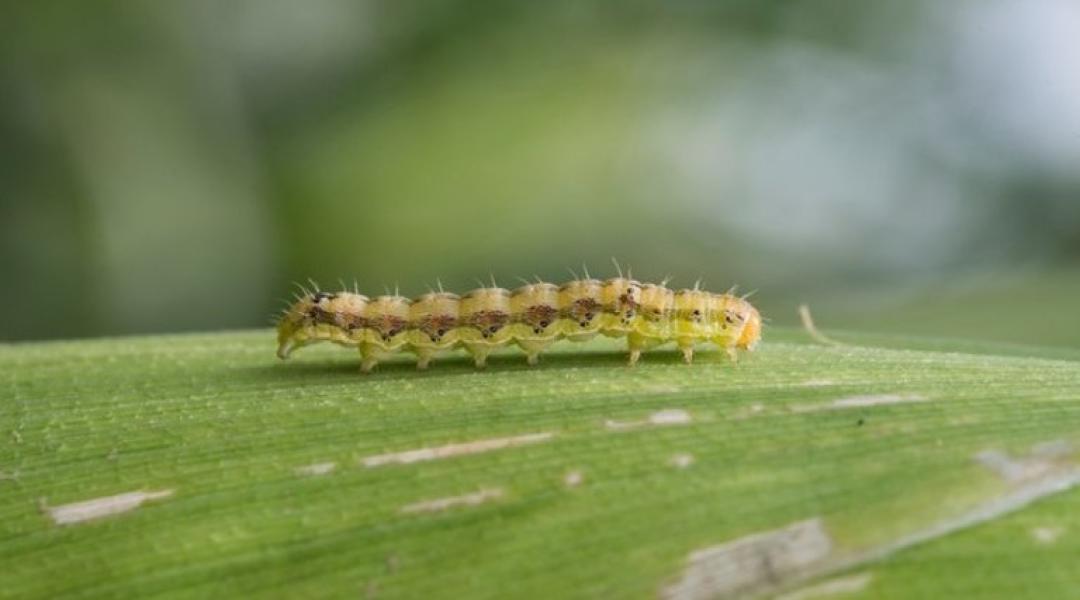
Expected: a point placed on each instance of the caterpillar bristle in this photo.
(618, 269)
(531, 317)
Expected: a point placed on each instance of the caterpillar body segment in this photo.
(532, 317)
(581, 305)
(330, 317)
(434, 325)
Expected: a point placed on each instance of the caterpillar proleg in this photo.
(532, 317)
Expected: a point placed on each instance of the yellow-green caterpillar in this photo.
(533, 317)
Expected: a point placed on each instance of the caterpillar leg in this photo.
(733, 354)
(423, 361)
(635, 343)
(424, 354)
(369, 357)
(368, 362)
(479, 353)
(688, 354)
(533, 348)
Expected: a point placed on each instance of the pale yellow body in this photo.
(693, 321)
(434, 325)
(485, 314)
(581, 302)
(533, 317)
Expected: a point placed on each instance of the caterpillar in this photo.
(533, 317)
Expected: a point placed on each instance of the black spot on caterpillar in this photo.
(532, 317)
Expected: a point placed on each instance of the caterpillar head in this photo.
(319, 316)
(738, 322)
(751, 333)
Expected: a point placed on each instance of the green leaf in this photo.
(916, 466)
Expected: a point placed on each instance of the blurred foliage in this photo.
(907, 166)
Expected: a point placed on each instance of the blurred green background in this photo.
(906, 167)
